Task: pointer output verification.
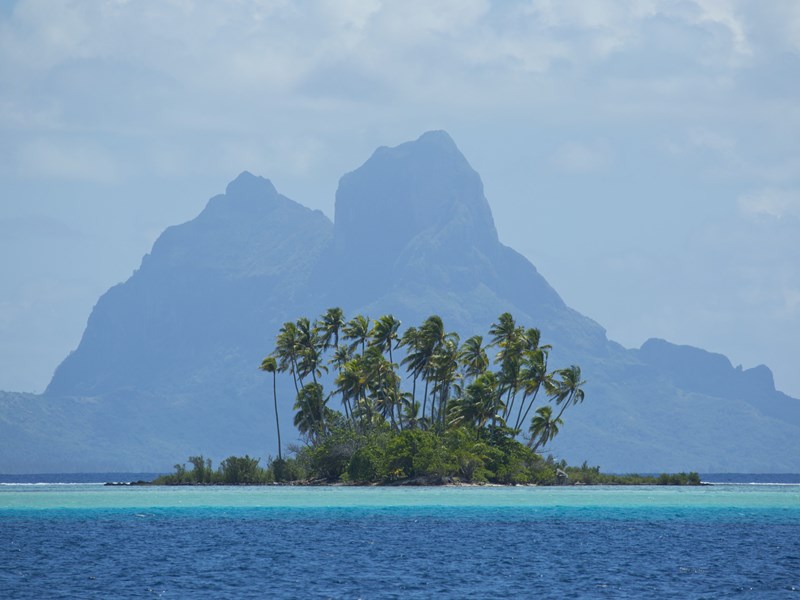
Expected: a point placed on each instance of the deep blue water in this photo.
(634, 543)
(380, 555)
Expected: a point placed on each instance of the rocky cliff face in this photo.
(414, 234)
(211, 288)
(403, 198)
(167, 366)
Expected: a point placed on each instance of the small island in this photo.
(461, 422)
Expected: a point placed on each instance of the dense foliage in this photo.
(461, 417)
(586, 475)
(461, 420)
(232, 470)
(413, 456)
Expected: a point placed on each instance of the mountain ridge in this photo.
(167, 364)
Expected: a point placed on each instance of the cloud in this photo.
(66, 159)
(190, 91)
(34, 227)
(712, 140)
(581, 157)
(791, 307)
(724, 13)
(771, 202)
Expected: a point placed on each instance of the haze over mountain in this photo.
(167, 364)
(661, 132)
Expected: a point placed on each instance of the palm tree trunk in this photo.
(522, 420)
(509, 401)
(566, 404)
(277, 422)
(399, 413)
(510, 407)
(425, 398)
(519, 412)
(346, 404)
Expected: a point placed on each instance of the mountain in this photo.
(167, 365)
(211, 289)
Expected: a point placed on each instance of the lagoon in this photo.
(277, 541)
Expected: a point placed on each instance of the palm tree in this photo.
(511, 341)
(287, 351)
(329, 327)
(352, 384)
(309, 361)
(504, 334)
(341, 356)
(431, 336)
(270, 365)
(532, 338)
(357, 330)
(509, 376)
(473, 357)
(381, 380)
(568, 391)
(384, 334)
(410, 408)
(311, 411)
(533, 375)
(480, 403)
(444, 365)
(386, 399)
(543, 427)
(413, 360)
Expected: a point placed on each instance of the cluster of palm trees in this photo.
(452, 384)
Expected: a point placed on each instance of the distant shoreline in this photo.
(127, 478)
(632, 480)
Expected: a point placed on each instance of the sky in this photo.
(643, 155)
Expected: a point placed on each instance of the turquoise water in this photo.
(523, 498)
(701, 542)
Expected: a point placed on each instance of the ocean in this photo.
(85, 540)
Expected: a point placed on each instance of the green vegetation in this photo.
(232, 470)
(466, 418)
(452, 385)
(460, 418)
(411, 457)
(385, 455)
(586, 475)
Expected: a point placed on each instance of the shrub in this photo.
(416, 453)
(330, 458)
(508, 459)
(367, 464)
(284, 470)
(467, 455)
(241, 470)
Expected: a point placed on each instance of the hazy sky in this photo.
(644, 155)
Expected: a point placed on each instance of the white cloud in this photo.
(581, 157)
(791, 307)
(67, 160)
(725, 13)
(712, 140)
(770, 202)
